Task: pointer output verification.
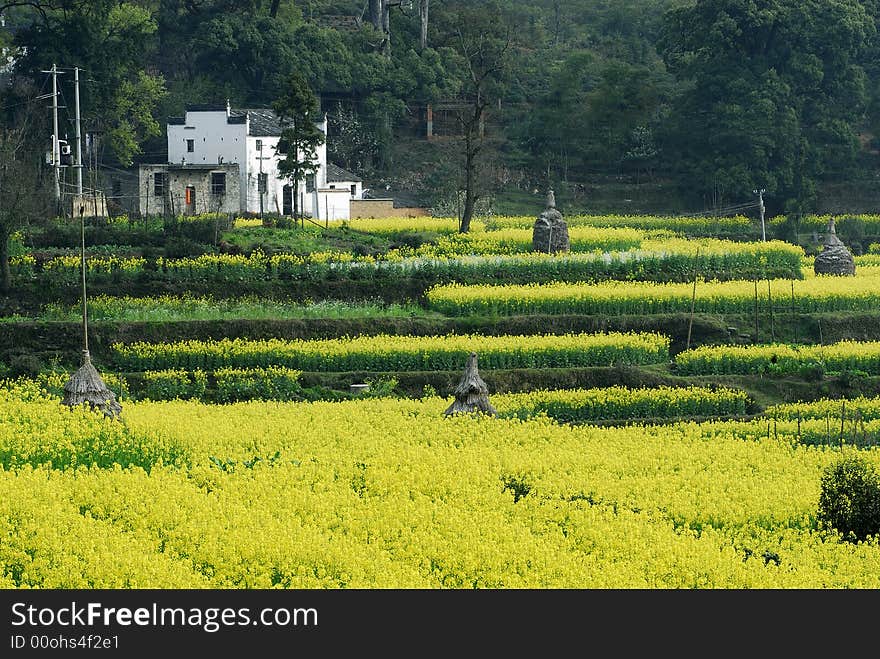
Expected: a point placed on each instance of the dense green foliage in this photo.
(719, 96)
(850, 498)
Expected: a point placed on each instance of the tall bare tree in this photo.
(423, 24)
(24, 194)
(380, 18)
(482, 41)
(379, 10)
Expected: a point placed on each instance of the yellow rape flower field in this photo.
(387, 493)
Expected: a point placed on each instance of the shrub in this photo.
(850, 498)
(25, 365)
(169, 384)
(272, 383)
(380, 387)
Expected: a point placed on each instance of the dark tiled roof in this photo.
(201, 166)
(336, 173)
(264, 122)
(205, 107)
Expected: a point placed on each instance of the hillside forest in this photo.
(702, 102)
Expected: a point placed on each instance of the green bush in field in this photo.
(850, 498)
(272, 383)
(169, 384)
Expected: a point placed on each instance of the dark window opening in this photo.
(160, 181)
(262, 182)
(190, 146)
(354, 190)
(218, 183)
(310, 183)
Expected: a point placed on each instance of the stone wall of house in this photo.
(173, 199)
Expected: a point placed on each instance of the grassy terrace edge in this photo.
(64, 338)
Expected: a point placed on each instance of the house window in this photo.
(354, 190)
(262, 182)
(218, 183)
(310, 183)
(160, 181)
(190, 146)
(260, 145)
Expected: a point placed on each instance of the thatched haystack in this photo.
(86, 386)
(471, 393)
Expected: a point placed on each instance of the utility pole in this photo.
(56, 151)
(79, 172)
(760, 194)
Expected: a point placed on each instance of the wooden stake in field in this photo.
(755, 340)
(86, 385)
(471, 393)
(693, 300)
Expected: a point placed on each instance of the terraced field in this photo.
(668, 403)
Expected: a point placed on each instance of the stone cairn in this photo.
(550, 233)
(471, 393)
(835, 258)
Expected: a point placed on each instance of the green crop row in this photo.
(656, 260)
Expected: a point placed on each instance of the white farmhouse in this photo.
(222, 159)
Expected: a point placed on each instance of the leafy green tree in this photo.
(112, 42)
(775, 93)
(297, 110)
(249, 54)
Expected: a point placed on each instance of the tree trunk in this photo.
(295, 193)
(423, 21)
(470, 194)
(380, 19)
(386, 29)
(377, 8)
(6, 276)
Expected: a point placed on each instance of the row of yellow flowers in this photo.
(812, 294)
(399, 353)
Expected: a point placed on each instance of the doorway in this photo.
(287, 200)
